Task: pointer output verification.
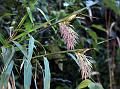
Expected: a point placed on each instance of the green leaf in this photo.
(22, 35)
(32, 4)
(2, 39)
(28, 26)
(74, 58)
(99, 27)
(5, 75)
(47, 75)
(46, 18)
(95, 86)
(30, 47)
(22, 21)
(7, 55)
(27, 74)
(84, 84)
(93, 35)
(30, 14)
(112, 5)
(23, 50)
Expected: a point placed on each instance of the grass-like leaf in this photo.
(2, 39)
(7, 56)
(47, 75)
(5, 75)
(74, 58)
(30, 47)
(46, 18)
(30, 14)
(23, 50)
(27, 74)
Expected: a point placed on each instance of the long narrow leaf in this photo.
(2, 39)
(30, 15)
(27, 74)
(5, 75)
(47, 75)
(46, 18)
(23, 50)
(7, 55)
(30, 47)
(74, 58)
(22, 21)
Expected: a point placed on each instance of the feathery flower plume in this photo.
(84, 64)
(69, 35)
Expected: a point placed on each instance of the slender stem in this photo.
(106, 41)
(60, 52)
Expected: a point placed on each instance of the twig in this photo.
(60, 52)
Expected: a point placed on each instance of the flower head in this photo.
(85, 65)
(69, 35)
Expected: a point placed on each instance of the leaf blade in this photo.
(84, 84)
(23, 50)
(5, 75)
(27, 74)
(30, 47)
(47, 75)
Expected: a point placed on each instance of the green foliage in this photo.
(88, 83)
(113, 5)
(5, 75)
(30, 38)
(30, 14)
(27, 74)
(95, 86)
(47, 75)
(84, 84)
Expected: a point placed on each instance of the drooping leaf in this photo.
(95, 86)
(5, 75)
(84, 84)
(30, 47)
(74, 58)
(46, 18)
(22, 49)
(7, 55)
(47, 75)
(30, 15)
(2, 39)
(27, 74)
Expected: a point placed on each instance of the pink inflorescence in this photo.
(85, 65)
(69, 35)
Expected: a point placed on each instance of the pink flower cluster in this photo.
(69, 35)
(85, 65)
